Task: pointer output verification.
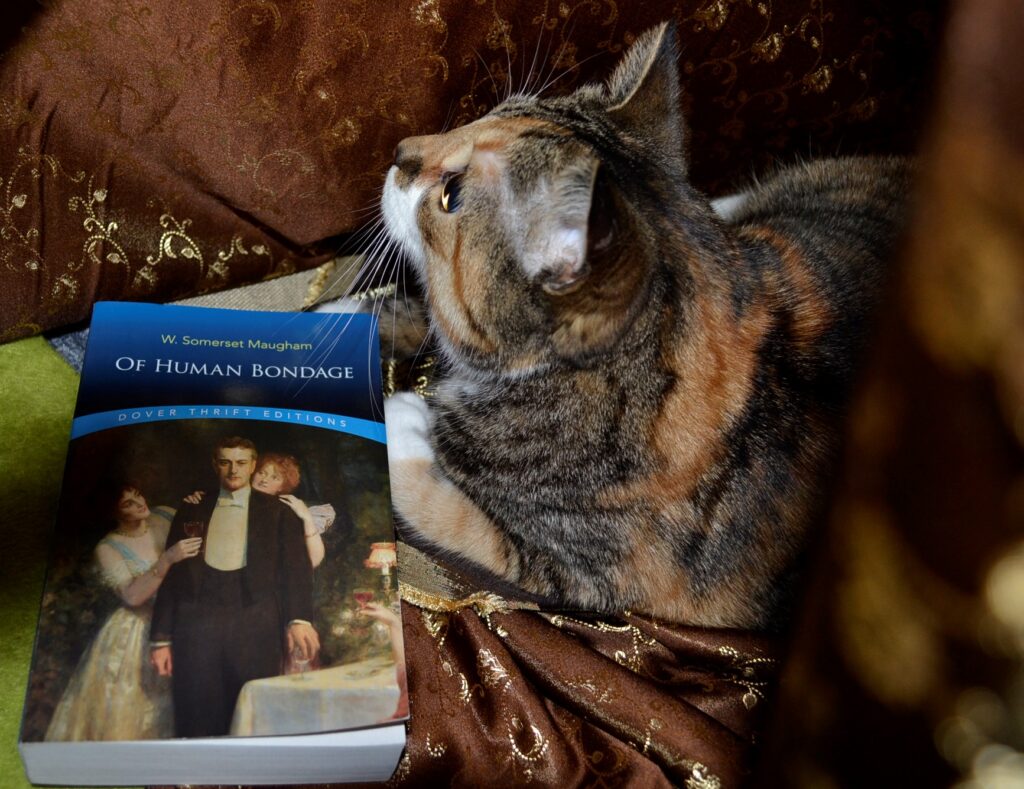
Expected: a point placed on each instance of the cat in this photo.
(643, 391)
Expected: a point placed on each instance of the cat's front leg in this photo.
(428, 502)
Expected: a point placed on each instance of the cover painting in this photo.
(223, 560)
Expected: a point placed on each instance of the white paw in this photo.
(344, 304)
(729, 207)
(407, 420)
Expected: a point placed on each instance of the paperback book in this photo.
(220, 605)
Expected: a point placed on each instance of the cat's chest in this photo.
(590, 425)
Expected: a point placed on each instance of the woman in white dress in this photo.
(115, 694)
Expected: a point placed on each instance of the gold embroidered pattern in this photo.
(653, 725)
(176, 242)
(103, 247)
(487, 680)
(435, 623)
(102, 232)
(768, 48)
(560, 620)
(374, 294)
(700, 777)
(745, 674)
(467, 691)
(321, 276)
(436, 751)
(602, 695)
(639, 644)
(485, 604)
(530, 753)
(20, 248)
(491, 672)
(714, 15)
(176, 235)
(645, 742)
(423, 383)
(390, 384)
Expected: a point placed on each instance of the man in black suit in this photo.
(225, 616)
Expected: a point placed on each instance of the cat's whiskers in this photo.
(487, 71)
(370, 261)
(552, 64)
(448, 118)
(376, 266)
(534, 76)
(508, 66)
(560, 75)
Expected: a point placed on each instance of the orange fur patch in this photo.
(652, 576)
(445, 515)
(800, 294)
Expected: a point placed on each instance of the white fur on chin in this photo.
(400, 206)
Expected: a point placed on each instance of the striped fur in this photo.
(643, 398)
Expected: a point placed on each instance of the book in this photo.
(220, 605)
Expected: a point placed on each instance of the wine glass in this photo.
(360, 625)
(194, 528)
(300, 661)
(363, 596)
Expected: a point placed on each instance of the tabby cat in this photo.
(643, 393)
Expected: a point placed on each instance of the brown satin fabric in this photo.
(528, 698)
(154, 150)
(504, 695)
(909, 661)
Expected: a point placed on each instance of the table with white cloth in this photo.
(340, 697)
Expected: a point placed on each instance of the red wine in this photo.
(363, 596)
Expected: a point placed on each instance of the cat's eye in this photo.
(451, 193)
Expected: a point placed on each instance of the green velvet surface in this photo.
(37, 398)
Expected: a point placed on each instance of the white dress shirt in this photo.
(228, 534)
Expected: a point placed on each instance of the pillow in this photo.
(155, 151)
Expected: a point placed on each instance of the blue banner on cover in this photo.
(143, 356)
(364, 428)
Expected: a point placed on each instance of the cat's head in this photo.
(536, 229)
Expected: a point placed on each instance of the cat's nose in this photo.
(408, 158)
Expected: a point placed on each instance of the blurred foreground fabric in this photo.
(908, 663)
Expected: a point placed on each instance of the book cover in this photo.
(221, 604)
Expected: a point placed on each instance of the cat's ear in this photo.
(569, 267)
(556, 238)
(643, 93)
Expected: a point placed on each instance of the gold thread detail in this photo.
(318, 283)
(631, 659)
(436, 751)
(745, 674)
(484, 603)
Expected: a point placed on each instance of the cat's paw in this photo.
(729, 207)
(344, 304)
(407, 420)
